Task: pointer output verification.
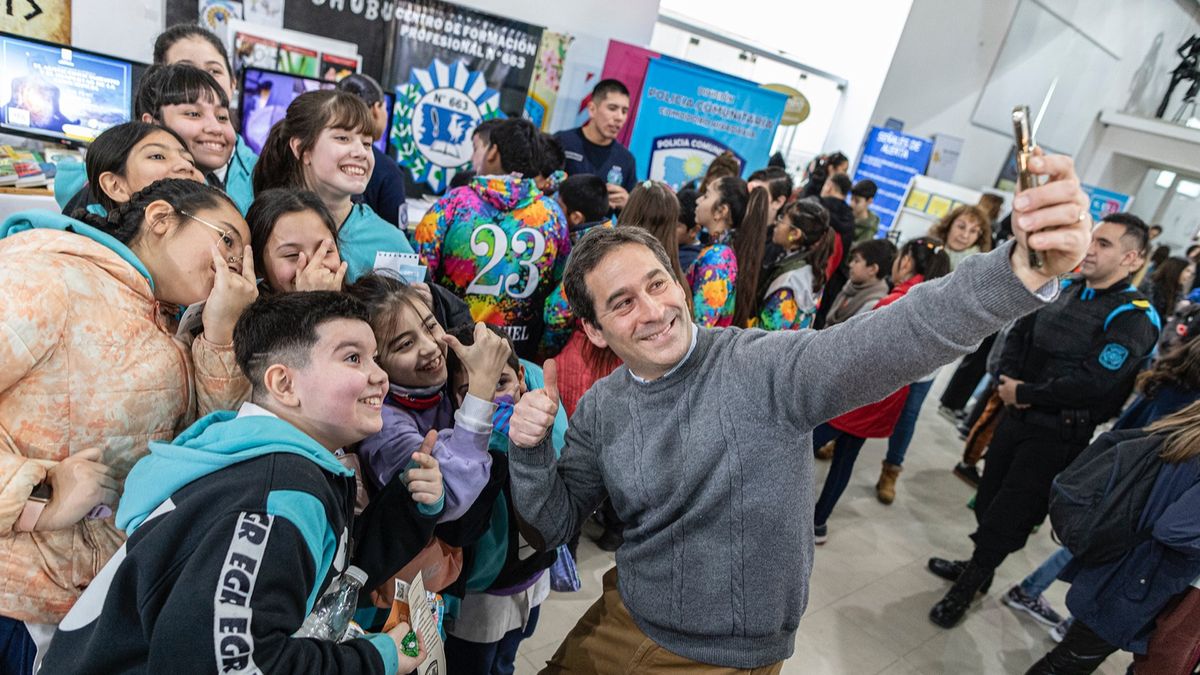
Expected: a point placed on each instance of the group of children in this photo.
(213, 405)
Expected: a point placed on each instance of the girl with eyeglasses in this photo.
(93, 365)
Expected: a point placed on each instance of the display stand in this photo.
(925, 201)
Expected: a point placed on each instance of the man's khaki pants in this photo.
(606, 641)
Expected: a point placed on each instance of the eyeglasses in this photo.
(226, 238)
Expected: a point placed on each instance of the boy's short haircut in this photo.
(687, 207)
(876, 252)
(610, 86)
(466, 335)
(587, 194)
(842, 181)
(485, 128)
(282, 328)
(865, 188)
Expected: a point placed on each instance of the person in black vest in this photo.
(1064, 370)
(593, 148)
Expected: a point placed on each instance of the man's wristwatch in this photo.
(34, 507)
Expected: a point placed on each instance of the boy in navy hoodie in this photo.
(238, 526)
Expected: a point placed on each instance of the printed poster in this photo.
(453, 68)
(690, 115)
(891, 158)
(364, 23)
(336, 68)
(1104, 202)
(48, 20)
(547, 77)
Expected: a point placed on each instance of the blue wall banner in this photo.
(688, 115)
(1103, 202)
(891, 158)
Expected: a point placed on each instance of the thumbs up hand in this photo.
(533, 415)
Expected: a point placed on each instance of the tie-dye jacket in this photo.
(88, 359)
(713, 278)
(789, 302)
(501, 245)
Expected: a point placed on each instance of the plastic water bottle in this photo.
(331, 615)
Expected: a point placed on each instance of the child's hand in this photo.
(407, 663)
(483, 360)
(313, 275)
(231, 293)
(425, 482)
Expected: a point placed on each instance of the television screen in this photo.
(59, 93)
(266, 95)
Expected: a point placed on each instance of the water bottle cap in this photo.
(357, 575)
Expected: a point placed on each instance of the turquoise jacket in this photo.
(239, 183)
(362, 236)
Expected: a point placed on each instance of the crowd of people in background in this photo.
(220, 401)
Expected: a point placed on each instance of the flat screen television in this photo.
(266, 94)
(62, 94)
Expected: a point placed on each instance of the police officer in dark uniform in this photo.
(1064, 370)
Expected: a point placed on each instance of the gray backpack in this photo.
(1096, 503)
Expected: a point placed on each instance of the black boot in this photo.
(950, 610)
(951, 570)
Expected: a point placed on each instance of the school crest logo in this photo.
(435, 113)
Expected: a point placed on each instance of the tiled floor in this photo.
(870, 592)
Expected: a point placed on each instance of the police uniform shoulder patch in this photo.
(1113, 356)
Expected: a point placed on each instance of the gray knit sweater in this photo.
(711, 467)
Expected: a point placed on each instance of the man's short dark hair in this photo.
(519, 145)
(865, 188)
(876, 252)
(842, 182)
(587, 194)
(282, 328)
(592, 249)
(1135, 229)
(605, 87)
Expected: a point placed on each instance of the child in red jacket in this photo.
(919, 260)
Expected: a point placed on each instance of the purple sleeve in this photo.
(461, 453)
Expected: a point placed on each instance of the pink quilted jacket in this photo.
(87, 359)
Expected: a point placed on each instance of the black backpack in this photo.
(1097, 501)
